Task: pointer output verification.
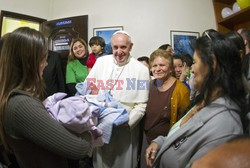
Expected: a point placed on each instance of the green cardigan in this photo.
(76, 72)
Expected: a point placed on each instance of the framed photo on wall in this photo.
(183, 42)
(106, 33)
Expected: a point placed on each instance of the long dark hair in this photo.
(227, 74)
(21, 55)
(245, 33)
(238, 41)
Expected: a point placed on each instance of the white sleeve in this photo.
(136, 114)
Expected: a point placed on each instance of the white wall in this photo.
(147, 21)
(36, 8)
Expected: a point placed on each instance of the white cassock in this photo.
(130, 87)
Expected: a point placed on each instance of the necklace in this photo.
(189, 115)
(116, 80)
(193, 111)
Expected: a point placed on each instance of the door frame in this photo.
(21, 17)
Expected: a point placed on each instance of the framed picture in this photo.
(106, 33)
(183, 41)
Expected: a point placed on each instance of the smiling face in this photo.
(200, 71)
(79, 49)
(160, 68)
(178, 65)
(121, 47)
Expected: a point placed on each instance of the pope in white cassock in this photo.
(127, 80)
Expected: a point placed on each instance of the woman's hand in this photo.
(151, 152)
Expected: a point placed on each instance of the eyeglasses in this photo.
(206, 33)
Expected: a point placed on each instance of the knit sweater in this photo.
(35, 138)
(76, 72)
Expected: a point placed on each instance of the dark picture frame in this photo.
(183, 42)
(106, 33)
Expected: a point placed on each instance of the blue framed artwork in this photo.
(106, 33)
(183, 42)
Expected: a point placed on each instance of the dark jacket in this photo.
(53, 75)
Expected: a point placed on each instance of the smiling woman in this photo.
(200, 71)
(218, 112)
(78, 64)
(168, 97)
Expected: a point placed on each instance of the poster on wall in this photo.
(183, 42)
(106, 33)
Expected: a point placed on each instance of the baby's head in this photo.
(97, 45)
